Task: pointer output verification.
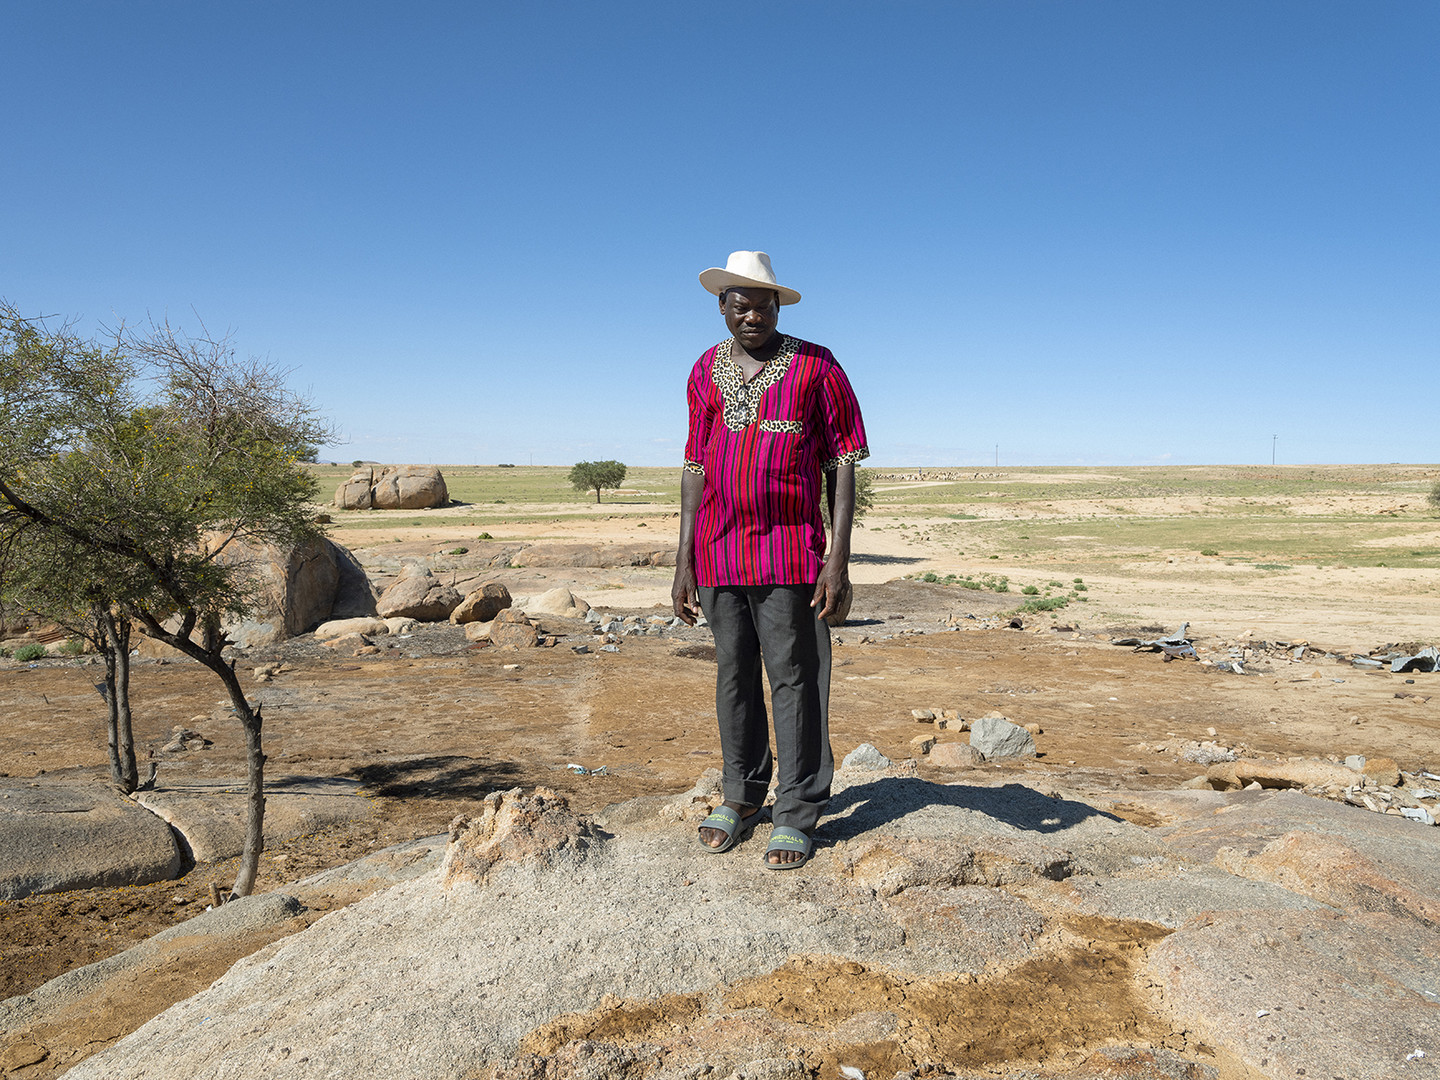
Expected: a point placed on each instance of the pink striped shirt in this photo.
(761, 447)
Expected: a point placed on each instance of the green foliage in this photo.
(1434, 497)
(485, 536)
(864, 497)
(596, 475)
(1030, 590)
(72, 647)
(1208, 551)
(1048, 603)
(26, 653)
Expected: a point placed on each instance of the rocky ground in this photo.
(429, 725)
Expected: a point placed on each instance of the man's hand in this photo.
(685, 593)
(831, 586)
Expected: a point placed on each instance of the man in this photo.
(768, 415)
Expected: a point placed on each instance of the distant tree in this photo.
(1434, 495)
(864, 496)
(148, 498)
(594, 475)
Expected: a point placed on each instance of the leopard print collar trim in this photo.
(741, 398)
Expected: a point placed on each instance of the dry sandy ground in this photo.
(431, 726)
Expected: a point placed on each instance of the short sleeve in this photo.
(702, 416)
(843, 442)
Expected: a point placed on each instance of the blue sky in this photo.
(1088, 232)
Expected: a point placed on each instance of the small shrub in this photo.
(30, 652)
(1030, 590)
(966, 583)
(1078, 581)
(1208, 551)
(1434, 497)
(72, 647)
(1024, 538)
(1271, 566)
(1049, 603)
(929, 576)
(994, 556)
(1056, 584)
(356, 463)
(485, 536)
(458, 551)
(1080, 588)
(4, 652)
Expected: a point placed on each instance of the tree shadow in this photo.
(865, 807)
(438, 777)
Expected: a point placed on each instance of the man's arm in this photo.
(684, 594)
(835, 574)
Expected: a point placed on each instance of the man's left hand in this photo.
(830, 587)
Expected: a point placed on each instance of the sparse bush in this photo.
(458, 551)
(1208, 551)
(1079, 587)
(485, 536)
(1049, 603)
(72, 647)
(1078, 581)
(26, 653)
(1030, 590)
(1434, 497)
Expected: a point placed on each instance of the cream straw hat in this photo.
(746, 270)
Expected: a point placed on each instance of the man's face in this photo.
(751, 315)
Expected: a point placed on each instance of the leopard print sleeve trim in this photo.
(854, 457)
(694, 467)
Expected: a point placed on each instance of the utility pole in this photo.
(1273, 440)
(997, 455)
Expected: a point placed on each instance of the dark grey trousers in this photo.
(776, 624)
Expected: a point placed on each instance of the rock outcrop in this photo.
(395, 487)
(418, 594)
(538, 828)
(958, 930)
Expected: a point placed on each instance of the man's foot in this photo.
(780, 858)
(789, 848)
(724, 839)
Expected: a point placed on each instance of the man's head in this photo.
(750, 315)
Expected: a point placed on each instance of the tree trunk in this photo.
(115, 632)
(211, 654)
(597, 494)
(112, 711)
(251, 721)
(128, 767)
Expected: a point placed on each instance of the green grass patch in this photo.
(26, 653)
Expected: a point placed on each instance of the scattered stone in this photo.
(866, 757)
(996, 737)
(418, 594)
(925, 716)
(1034, 728)
(349, 644)
(482, 604)
(401, 625)
(1207, 753)
(955, 755)
(511, 629)
(558, 601)
(1382, 770)
(478, 631)
(921, 744)
(183, 738)
(340, 627)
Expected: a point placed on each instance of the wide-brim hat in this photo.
(746, 270)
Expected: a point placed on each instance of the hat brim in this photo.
(717, 279)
